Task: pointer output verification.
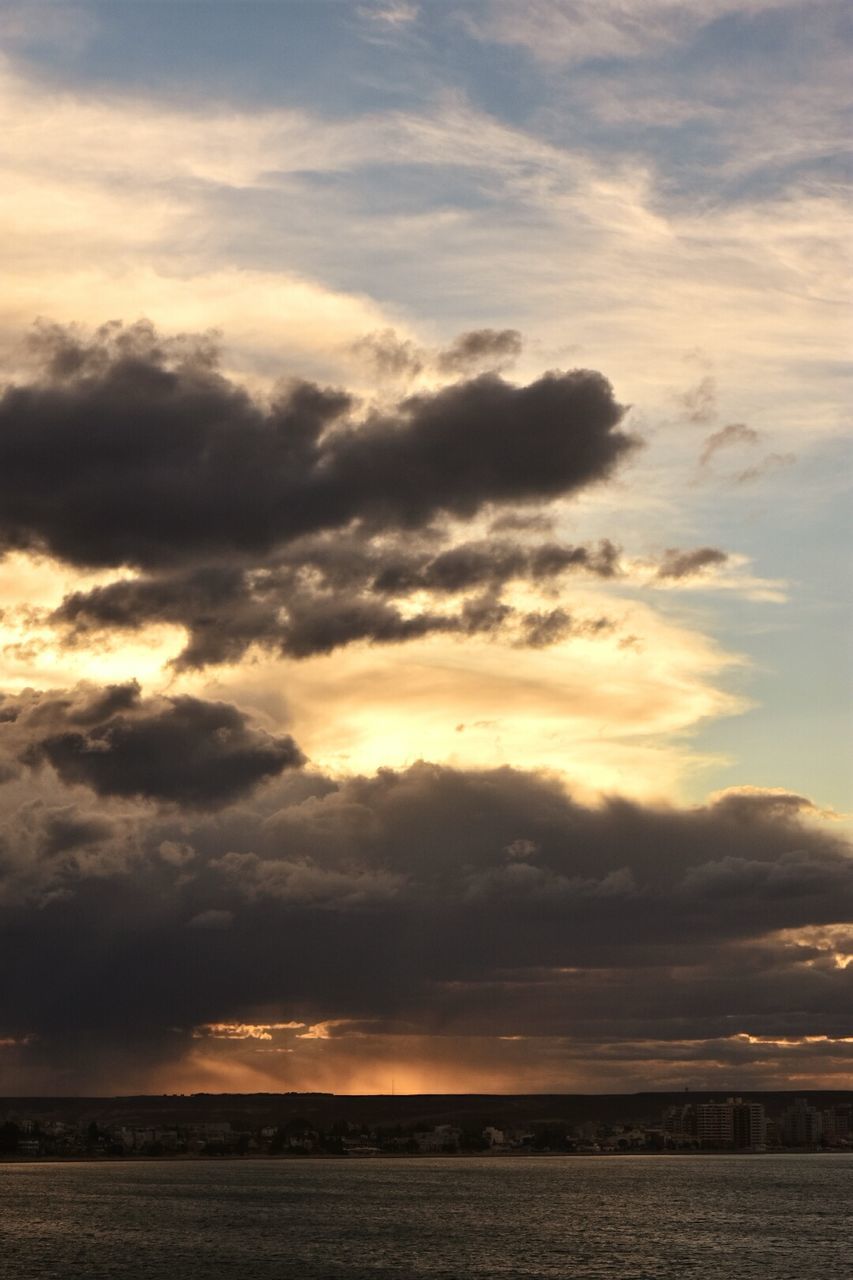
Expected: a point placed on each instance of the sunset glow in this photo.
(424, 473)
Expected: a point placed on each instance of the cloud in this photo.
(84, 237)
(747, 801)
(683, 564)
(771, 462)
(173, 463)
(304, 883)
(451, 651)
(181, 750)
(736, 433)
(66, 828)
(326, 594)
(733, 435)
(560, 31)
(394, 357)
(67, 27)
(491, 348)
(488, 563)
(614, 238)
(393, 13)
(389, 355)
(543, 628)
(297, 524)
(470, 903)
(699, 403)
(245, 1031)
(605, 714)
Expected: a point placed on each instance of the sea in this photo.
(773, 1217)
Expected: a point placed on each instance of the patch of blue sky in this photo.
(781, 42)
(325, 55)
(416, 187)
(411, 236)
(800, 733)
(498, 79)
(690, 106)
(331, 58)
(248, 54)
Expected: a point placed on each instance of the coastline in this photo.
(288, 1158)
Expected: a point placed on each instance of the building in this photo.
(679, 1124)
(733, 1123)
(715, 1124)
(837, 1125)
(801, 1125)
(749, 1125)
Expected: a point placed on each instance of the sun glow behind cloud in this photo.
(609, 710)
(587, 708)
(29, 653)
(667, 214)
(406, 1064)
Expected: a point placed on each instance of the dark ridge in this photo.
(465, 1110)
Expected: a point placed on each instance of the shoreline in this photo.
(185, 1158)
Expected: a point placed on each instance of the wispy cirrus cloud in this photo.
(570, 31)
(130, 180)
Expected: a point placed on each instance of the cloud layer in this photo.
(414, 903)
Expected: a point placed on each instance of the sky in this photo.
(424, 546)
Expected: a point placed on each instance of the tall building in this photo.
(801, 1125)
(837, 1125)
(733, 1123)
(749, 1126)
(715, 1124)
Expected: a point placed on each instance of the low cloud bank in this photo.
(430, 901)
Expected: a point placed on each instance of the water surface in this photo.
(623, 1218)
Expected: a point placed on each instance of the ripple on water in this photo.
(561, 1218)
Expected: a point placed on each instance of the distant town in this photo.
(298, 1125)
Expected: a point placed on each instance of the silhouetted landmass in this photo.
(323, 1110)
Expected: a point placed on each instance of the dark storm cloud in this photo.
(66, 828)
(321, 624)
(225, 612)
(683, 564)
(473, 443)
(162, 461)
(291, 526)
(181, 750)
(522, 522)
(461, 902)
(222, 611)
(325, 594)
